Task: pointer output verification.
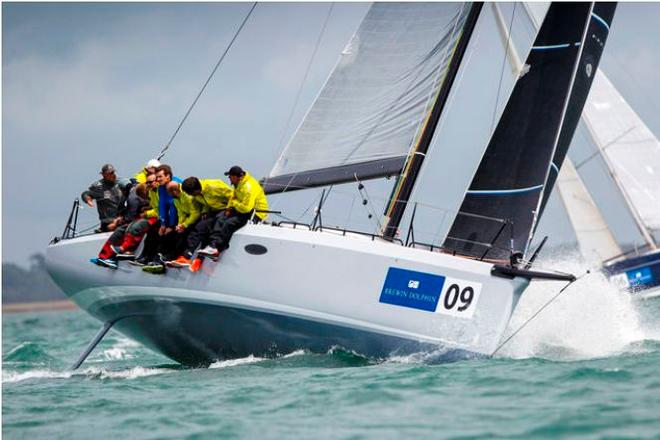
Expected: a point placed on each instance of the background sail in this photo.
(594, 237)
(630, 150)
(510, 180)
(373, 107)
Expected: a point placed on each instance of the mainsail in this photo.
(377, 103)
(512, 176)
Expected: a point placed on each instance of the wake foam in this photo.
(236, 362)
(591, 319)
(89, 373)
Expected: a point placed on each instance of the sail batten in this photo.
(375, 102)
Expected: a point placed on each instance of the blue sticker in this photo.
(416, 290)
(640, 276)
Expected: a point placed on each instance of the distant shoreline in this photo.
(38, 306)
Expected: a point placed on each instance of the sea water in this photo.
(587, 366)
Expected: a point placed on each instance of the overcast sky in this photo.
(89, 83)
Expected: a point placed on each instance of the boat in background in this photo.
(285, 286)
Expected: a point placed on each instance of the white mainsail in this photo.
(374, 104)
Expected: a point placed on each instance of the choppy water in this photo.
(588, 366)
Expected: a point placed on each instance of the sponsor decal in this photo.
(639, 277)
(408, 288)
(430, 292)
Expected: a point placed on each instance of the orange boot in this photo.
(196, 265)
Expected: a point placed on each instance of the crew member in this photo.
(108, 195)
(167, 216)
(149, 168)
(247, 200)
(123, 240)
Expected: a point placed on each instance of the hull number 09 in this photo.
(459, 298)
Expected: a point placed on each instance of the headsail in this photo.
(594, 237)
(375, 104)
(511, 178)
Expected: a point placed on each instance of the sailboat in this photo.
(631, 153)
(371, 292)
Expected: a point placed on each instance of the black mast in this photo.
(406, 183)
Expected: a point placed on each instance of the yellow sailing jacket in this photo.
(188, 209)
(249, 195)
(215, 195)
(153, 204)
(141, 177)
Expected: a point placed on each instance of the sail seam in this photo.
(601, 21)
(554, 46)
(494, 192)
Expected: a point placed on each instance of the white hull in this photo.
(309, 290)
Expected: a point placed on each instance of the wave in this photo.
(28, 353)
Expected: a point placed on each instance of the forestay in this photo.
(374, 105)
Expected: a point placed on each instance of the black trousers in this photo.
(151, 242)
(173, 244)
(225, 227)
(200, 233)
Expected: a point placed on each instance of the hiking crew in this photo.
(109, 198)
(174, 243)
(175, 218)
(213, 196)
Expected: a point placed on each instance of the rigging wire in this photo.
(222, 57)
(506, 55)
(563, 289)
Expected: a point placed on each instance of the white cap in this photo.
(153, 163)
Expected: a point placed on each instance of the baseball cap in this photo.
(107, 168)
(153, 163)
(235, 171)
